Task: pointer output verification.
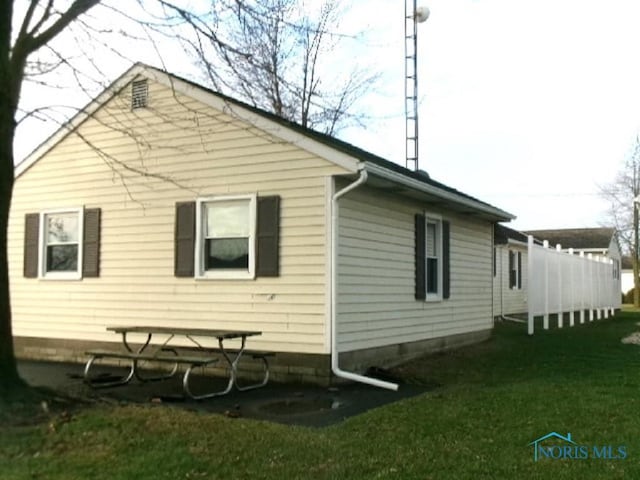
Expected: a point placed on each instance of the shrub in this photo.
(628, 297)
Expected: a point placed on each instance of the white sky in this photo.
(527, 105)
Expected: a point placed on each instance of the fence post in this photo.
(591, 287)
(545, 318)
(583, 289)
(598, 289)
(530, 318)
(572, 307)
(605, 289)
(559, 262)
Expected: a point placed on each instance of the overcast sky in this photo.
(527, 105)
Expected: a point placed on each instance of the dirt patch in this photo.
(633, 339)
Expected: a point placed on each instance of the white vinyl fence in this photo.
(560, 282)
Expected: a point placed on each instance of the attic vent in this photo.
(139, 94)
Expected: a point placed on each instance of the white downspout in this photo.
(334, 290)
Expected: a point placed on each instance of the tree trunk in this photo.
(9, 378)
(634, 257)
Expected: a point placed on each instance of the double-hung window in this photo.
(61, 244)
(515, 270)
(225, 241)
(433, 256)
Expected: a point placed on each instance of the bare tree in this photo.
(281, 60)
(622, 195)
(40, 24)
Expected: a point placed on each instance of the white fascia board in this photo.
(75, 121)
(517, 243)
(340, 159)
(437, 192)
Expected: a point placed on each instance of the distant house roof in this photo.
(502, 234)
(418, 182)
(579, 238)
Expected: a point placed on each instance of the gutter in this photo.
(439, 192)
(335, 368)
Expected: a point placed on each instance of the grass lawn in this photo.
(494, 399)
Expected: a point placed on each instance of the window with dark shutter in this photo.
(268, 237)
(31, 234)
(91, 243)
(62, 244)
(185, 234)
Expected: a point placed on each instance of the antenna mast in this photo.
(412, 16)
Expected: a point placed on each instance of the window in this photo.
(225, 241)
(61, 240)
(228, 237)
(515, 270)
(433, 258)
(62, 244)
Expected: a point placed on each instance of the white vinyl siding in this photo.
(190, 151)
(376, 302)
(507, 300)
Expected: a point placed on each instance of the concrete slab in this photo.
(288, 404)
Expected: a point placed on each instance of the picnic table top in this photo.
(200, 332)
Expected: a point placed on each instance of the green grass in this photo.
(494, 399)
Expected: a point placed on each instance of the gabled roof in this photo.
(577, 238)
(387, 175)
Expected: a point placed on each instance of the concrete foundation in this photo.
(284, 367)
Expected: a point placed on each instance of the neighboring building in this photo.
(235, 222)
(626, 278)
(509, 271)
(601, 241)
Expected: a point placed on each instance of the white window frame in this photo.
(42, 246)
(200, 272)
(437, 220)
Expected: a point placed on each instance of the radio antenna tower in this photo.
(412, 16)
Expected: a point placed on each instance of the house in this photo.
(626, 273)
(601, 241)
(509, 271)
(166, 203)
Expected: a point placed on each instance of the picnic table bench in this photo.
(200, 356)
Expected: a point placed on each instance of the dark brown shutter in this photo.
(91, 243)
(420, 252)
(512, 276)
(268, 237)
(31, 234)
(519, 285)
(185, 237)
(446, 275)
